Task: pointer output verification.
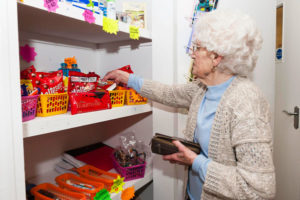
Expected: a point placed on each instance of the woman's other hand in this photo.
(185, 156)
(117, 76)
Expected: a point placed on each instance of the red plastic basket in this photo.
(130, 173)
(29, 107)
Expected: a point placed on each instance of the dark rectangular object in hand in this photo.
(162, 144)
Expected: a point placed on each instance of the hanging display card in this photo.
(118, 185)
(27, 53)
(110, 25)
(51, 5)
(134, 32)
(89, 16)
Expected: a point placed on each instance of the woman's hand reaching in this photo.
(184, 157)
(117, 76)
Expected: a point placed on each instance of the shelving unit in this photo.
(138, 183)
(66, 32)
(34, 18)
(44, 125)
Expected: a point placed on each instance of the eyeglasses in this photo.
(191, 49)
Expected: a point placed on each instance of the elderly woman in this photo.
(228, 115)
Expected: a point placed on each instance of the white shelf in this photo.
(68, 22)
(49, 177)
(43, 125)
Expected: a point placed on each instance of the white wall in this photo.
(164, 70)
(264, 13)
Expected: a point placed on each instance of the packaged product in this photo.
(48, 83)
(81, 82)
(26, 72)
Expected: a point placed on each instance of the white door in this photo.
(287, 138)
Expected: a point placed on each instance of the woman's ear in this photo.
(217, 60)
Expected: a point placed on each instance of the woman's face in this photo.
(203, 62)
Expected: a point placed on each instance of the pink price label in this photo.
(89, 16)
(28, 53)
(51, 5)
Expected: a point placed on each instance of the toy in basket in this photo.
(129, 168)
(98, 175)
(29, 107)
(78, 184)
(117, 98)
(133, 98)
(52, 104)
(47, 191)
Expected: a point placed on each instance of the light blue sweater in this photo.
(205, 119)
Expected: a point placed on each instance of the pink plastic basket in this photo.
(29, 107)
(129, 173)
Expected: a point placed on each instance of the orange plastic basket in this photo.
(133, 98)
(117, 98)
(47, 191)
(52, 104)
(95, 174)
(78, 184)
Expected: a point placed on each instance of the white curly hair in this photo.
(232, 35)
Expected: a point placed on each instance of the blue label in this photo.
(279, 54)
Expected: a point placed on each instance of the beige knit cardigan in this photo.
(240, 145)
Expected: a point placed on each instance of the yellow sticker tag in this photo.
(118, 185)
(110, 25)
(134, 32)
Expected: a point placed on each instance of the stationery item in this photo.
(78, 184)
(135, 13)
(97, 155)
(111, 9)
(48, 191)
(162, 144)
(98, 175)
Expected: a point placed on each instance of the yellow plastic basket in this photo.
(117, 98)
(133, 98)
(52, 104)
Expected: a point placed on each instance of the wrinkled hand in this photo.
(184, 156)
(117, 76)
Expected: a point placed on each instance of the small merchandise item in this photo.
(162, 144)
(70, 61)
(102, 195)
(134, 98)
(95, 174)
(89, 101)
(66, 70)
(26, 87)
(47, 191)
(78, 184)
(117, 98)
(80, 82)
(105, 85)
(111, 9)
(48, 83)
(29, 104)
(129, 167)
(126, 68)
(26, 72)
